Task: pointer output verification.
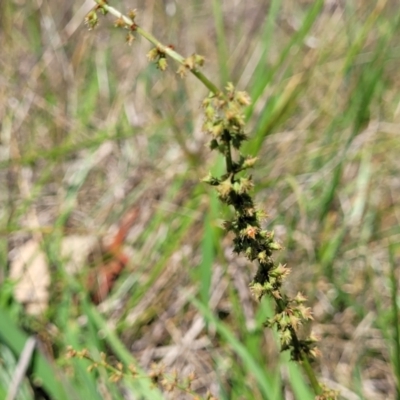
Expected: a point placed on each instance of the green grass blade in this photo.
(166, 251)
(259, 86)
(395, 320)
(14, 338)
(221, 42)
(275, 110)
(205, 268)
(265, 382)
(300, 389)
(143, 386)
(260, 78)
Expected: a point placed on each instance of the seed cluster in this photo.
(224, 121)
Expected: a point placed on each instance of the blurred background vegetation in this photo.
(91, 132)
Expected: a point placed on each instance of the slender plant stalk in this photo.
(225, 122)
(165, 49)
(157, 375)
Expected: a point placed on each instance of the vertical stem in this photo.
(310, 374)
(305, 362)
(228, 151)
(228, 158)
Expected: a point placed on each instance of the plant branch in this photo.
(165, 49)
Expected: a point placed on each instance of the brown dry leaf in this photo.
(31, 271)
(75, 251)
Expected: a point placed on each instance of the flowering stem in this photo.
(225, 122)
(228, 153)
(165, 49)
(311, 375)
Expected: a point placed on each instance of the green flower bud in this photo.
(211, 180)
(132, 14)
(274, 246)
(162, 64)
(91, 20)
(225, 188)
(153, 54)
(199, 60)
(182, 71)
(243, 98)
(285, 338)
(217, 129)
(249, 162)
(119, 22)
